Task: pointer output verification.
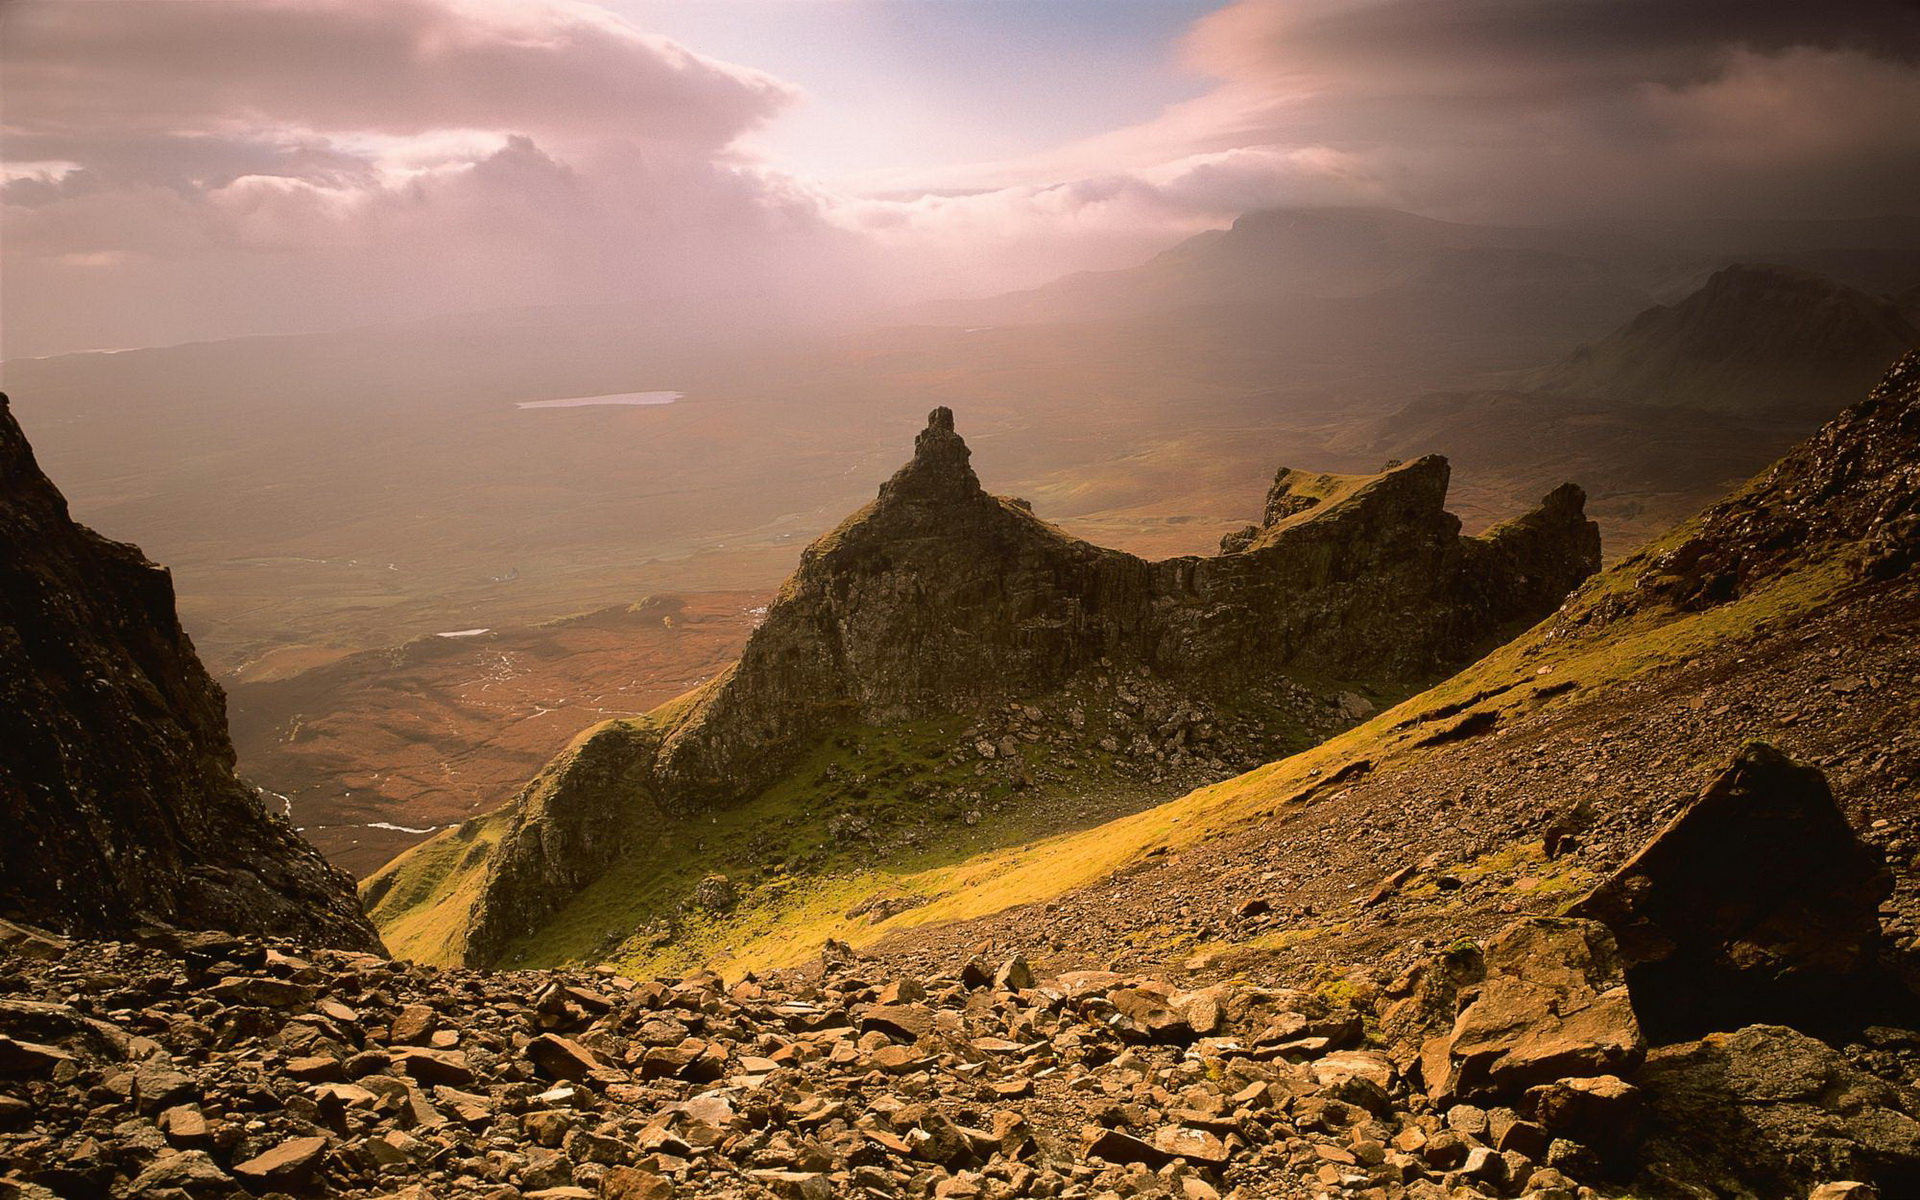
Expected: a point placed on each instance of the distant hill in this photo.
(1756, 340)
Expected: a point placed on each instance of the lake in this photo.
(616, 398)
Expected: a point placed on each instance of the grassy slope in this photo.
(1532, 672)
(421, 900)
(800, 871)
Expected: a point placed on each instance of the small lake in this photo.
(615, 398)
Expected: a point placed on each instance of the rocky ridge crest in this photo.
(940, 598)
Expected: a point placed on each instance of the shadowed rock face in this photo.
(939, 598)
(117, 792)
(1756, 903)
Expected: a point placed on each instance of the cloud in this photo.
(1532, 109)
(174, 169)
(400, 67)
(196, 169)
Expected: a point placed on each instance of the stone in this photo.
(1148, 1015)
(289, 1162)
(191, 1171)
(1118, 1146)
(1766, 1110)
(413, 1024)
(631, 1183)
(1193, 1145)
(715, 894)
(434, 1066)
(1757, 903)
(1554, 1003)
(184, 1125)
(262, 991)
(18, 1058)
(908, 1022)
(1014, 975)
(1603, 1112)
(562, 1058)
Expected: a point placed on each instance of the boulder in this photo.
(1768, 1111)
(1554, 1003)
(1756, 903)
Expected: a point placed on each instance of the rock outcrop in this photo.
(1546, 1000)
(1768, 1111)
(117, 789)
(939, 598)
(1757, 903)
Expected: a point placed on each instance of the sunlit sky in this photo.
(911, 84)
(185, 169)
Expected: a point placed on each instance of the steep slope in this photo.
(1755, 340)
(939, 605)
(1790, 612)
(117, 789)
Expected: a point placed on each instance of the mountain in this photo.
(1356, 283)
(1681, 403)
(939, 603)
(117, 787)
(1755, 340)
(1627, 908)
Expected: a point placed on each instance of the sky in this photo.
(189, 169)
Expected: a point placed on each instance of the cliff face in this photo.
(117, 790)
(939, 598)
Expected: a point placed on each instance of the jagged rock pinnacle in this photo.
(941, 468)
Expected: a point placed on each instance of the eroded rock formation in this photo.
(117, 794)
(940, 598)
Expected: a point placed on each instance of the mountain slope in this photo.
(116, 773)
(1755, 340)
(938, 606)
(1788, 612)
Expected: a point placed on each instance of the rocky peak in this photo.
(1851, 491)
(939, 599)
(117, 786)
(940, 469)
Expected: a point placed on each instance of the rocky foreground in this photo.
(201, 1065)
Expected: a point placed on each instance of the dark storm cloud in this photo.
(1550, 106)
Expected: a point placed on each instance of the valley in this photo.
(444, 729)
(1033, 600)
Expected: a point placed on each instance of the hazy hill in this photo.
(1755, 340)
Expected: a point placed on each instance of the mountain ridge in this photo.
(938, 598)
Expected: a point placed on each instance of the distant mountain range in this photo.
(1755, 340)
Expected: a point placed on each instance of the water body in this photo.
(616, 398)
